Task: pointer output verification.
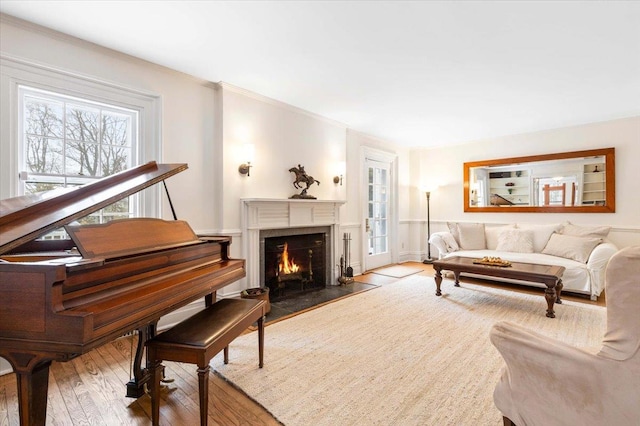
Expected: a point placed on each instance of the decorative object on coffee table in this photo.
(492, 261)
(304, 178)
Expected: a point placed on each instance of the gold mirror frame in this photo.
(610, 188)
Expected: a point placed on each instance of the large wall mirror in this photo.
(566, 182)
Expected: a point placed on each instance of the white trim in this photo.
(351, 225)
(625, 229)
(75, 78)
(614, 228)
(234, 232)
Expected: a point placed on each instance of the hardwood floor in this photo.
(90, 389)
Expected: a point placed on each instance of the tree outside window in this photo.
(70, 142)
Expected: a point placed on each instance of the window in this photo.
(67, 141)
(134, 114)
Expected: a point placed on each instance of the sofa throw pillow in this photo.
(585, 231)
(515, 240)
(541, 234)
(570, 247)
(471, 236)
(491, 234)
(451, 243)
(453, 229)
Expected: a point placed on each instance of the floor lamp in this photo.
(428, 260)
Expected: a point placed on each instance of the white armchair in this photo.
(547, 382)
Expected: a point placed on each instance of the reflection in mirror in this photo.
(572, 181)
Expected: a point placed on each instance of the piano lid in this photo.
(26, 218)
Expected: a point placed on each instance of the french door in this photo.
(378, 208)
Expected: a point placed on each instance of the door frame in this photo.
(369, 153)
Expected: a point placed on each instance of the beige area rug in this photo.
(397, 355)
(397, 271)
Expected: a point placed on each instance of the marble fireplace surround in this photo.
(259, 214)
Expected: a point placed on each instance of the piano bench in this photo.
(198, 339)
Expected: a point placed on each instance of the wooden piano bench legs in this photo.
(198, 339)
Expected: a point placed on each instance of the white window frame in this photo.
(16, 72)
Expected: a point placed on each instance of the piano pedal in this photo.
(164, 378)
(147, 391)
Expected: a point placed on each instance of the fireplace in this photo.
(266, 218)
(294, 261)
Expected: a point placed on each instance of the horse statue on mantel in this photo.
(302, 177)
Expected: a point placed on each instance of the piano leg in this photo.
(141, 376)
(32, 394)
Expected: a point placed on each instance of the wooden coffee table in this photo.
(549, 275)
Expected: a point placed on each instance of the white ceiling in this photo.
(413, 73)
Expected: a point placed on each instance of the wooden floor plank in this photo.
(66, 377)
(127, 410)
(6, 403)
(179, 399)
(56, 409)
(99, 388)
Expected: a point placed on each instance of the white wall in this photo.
(284, 136)
(188, 109)
(444, 166)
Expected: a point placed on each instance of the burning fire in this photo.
(287, 266)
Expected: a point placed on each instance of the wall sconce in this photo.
(340, 169)
(249, 153)
(245, 168)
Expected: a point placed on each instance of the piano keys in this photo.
(62, 298)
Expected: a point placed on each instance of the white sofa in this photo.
(583, 251)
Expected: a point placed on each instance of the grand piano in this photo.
(62, 298)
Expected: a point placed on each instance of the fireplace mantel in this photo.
(265, 213)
